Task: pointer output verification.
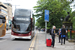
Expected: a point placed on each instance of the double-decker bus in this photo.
(2, 25)
(22, 24)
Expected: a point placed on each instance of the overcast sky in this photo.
(27, 4)
(72, 6)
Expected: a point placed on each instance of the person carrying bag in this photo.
(63, 34)
(53, 33)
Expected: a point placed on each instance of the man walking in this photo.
(53, 36)
(63, 34)
(59, 33)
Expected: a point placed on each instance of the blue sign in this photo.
(47, 15)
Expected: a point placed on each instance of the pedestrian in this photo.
(39, 29)
(59, 33)
(53, 33)
(63, 34)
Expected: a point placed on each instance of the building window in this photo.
(3, 11)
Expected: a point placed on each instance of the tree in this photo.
(72, 18)
(56, 11)
(40, 22)
(74, 22)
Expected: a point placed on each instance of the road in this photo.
(6, 43)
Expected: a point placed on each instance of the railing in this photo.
(73, 34)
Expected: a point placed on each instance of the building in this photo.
(9, 8)
(3, 10)
(6, 10)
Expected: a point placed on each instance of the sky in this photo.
(26, 4)
(72, 6)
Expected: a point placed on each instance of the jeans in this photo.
(62, 40)
(59, 38)
(53, 40)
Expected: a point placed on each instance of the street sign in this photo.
(47, 15)
(46, 20)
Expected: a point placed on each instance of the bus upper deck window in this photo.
(0, 20)
(3, 21)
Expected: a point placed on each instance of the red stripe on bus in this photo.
(19, 34)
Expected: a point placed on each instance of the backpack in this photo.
(63, 31)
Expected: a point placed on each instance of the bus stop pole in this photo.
(45, 30)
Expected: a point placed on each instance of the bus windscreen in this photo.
(22, 12)
(22, 21)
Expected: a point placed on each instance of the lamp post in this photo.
(61, 19)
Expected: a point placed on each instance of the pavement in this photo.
(41, 45)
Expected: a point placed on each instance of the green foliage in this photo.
(73, 35)
(74, 22)
(57, 9)
(69, 35)
(72, 18)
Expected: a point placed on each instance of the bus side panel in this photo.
(2, 30)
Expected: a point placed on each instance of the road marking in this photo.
(32, 43)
